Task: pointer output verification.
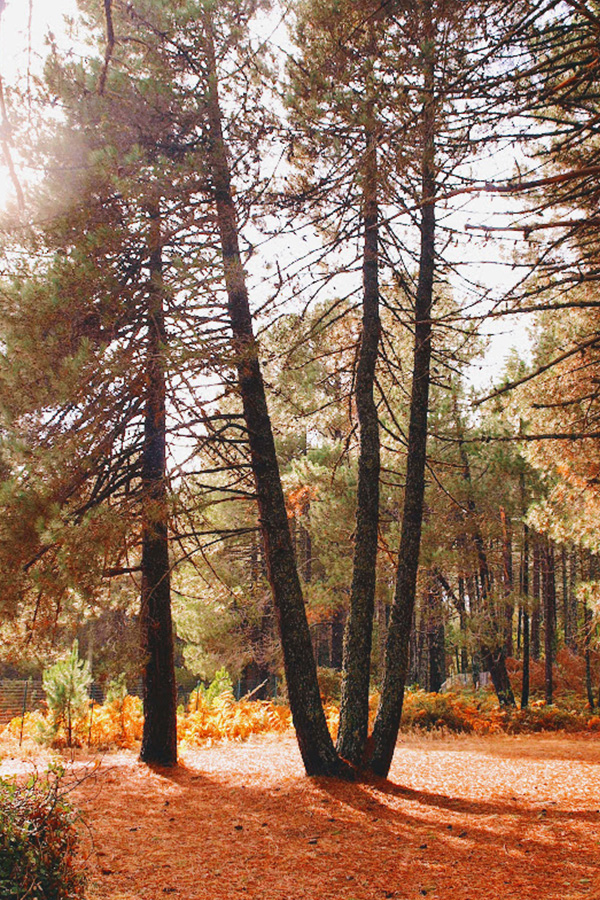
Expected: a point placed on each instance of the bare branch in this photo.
(110, 45)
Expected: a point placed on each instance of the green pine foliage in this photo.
(66, 685)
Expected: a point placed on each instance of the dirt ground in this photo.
(459, 819)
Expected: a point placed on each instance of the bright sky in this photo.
(25, 23)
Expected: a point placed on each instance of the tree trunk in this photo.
(316, 747)
(572, 609)
(387, 722)
(525, 594)
(464, 656)
(507, 566)
(549, 596)
(587, 624)
(491, 650)
(535, 612)
(159, 739)
(354, 707)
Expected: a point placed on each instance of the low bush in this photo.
(541, 717)
(444, 712)
(38, 842)
(226, 719)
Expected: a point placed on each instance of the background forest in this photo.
(253, 257)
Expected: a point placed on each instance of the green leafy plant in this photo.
(66, 685)
(38, 841)
(221, 687)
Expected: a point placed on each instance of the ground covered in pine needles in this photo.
(460, 818)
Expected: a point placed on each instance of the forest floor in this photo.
(460, 818)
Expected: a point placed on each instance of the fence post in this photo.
(23, 711)
(91, 720)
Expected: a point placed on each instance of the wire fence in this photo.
(20, 696)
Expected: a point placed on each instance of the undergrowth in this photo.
(211, 717)
(38, 841)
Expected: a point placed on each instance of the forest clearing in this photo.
(299, 449)
(461, 817)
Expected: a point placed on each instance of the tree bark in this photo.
(316, 747)
(159, 739)
(354, 707)
(387, 722)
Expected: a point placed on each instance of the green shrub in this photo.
(66, 685)
(429, 712)
(221, 687)
(538, 717)
(38, 842)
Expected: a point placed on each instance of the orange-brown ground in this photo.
(459, 819)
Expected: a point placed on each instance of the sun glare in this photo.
(24, 27)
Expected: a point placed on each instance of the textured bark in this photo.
(159, 740)
(316, 747)
(354, 707)
(387, 722)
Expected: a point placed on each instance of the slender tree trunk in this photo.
(525, 593)
(573, 624)
(509, 608)
(587, 624)
(159, 739)
(535, 612)
(564, 568)
(491, 649)
(464, 655)
(316, 747)
(549, 596)
(354, 707)
(387, 722)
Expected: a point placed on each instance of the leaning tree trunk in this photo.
(159, 739)
(354, 707)
(387, 722)
(316, 747)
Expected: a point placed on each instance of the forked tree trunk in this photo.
(387, 722)
(354, 708)
(159, 739)
(316, 747)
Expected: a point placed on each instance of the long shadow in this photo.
(241, 819)
(567, 748)
(361, 798)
